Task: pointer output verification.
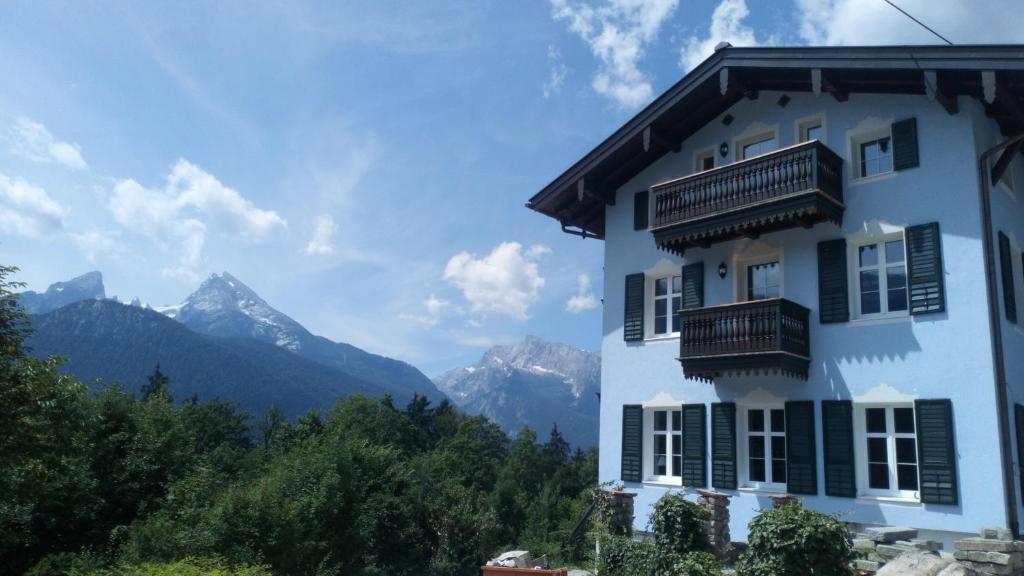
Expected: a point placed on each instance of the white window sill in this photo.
(875, 178)
(880, 320)
(662, 484)
(889, 499)
(761, 490)
(662, 338)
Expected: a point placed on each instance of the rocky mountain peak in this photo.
(531, 383)
(88, 286)
(224, 305)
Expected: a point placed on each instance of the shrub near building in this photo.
(680, 546)
(793, 541)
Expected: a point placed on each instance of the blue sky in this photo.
(361, 165)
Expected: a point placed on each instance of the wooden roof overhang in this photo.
(994, 74)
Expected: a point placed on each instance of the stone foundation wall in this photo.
(717, 527)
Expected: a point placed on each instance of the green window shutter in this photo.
(801, 454)
(904, 144)
(693, 285)
(833, 293)
(837, 441)
(633, 325)
(936, 456)
(640, 210)
(723, 445)
(632, 442)
(924, 269)
(695, 449)
(1006, 270)
(1018, 417)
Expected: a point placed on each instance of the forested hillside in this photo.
(122, 344)
(98, 481)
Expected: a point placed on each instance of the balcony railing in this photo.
(748, 337)
(796, 186)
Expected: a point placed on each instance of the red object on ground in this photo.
(501, 571)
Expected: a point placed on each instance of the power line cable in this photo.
(921, 24)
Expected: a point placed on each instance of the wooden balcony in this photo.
(801, 185)
(762, 336)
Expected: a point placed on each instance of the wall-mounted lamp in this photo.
(723, 149)
(722, 270)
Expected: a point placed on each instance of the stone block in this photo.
(996, 534)
(989, 545)
(863, 544)
(995, 569)
(866, 565)
(513, 559)
(990, 557)
(892, 550)
(889, 534)
(921, 544)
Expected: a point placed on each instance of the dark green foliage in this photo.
(622, 556)
(679, 525)
(793, 541)
(680, 546)
(108, 484)
(157, 384)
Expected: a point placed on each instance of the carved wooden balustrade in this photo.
(796, 186)
(770, 336)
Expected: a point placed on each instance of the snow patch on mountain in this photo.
(533, 383)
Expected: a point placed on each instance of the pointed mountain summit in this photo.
(224, 306)
(533, 383)
(88, 286)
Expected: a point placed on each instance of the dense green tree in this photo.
(107, 483)
(157, 384)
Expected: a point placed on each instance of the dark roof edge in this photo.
(938, 57)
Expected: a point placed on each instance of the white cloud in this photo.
(28, 210)
(617, 33)
(32, 140)
(584, 298)
(849, 22)
(95, 243)
(726, 26)
(191, 236)
(556, 77)
(434, 309)
(190, 202)
(505, 282)
(323, 232)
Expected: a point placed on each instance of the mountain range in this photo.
(225, 341)
(533, 383)
(119, 343)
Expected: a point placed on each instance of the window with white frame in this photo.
(665, 445)
(875, 157)
(668, 298)
(704, 161)
(756, 147)
(888, 451)
(812, 129)
(763, 280)
(881, 278)
(764, 448)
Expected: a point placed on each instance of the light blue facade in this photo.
(893, 360)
